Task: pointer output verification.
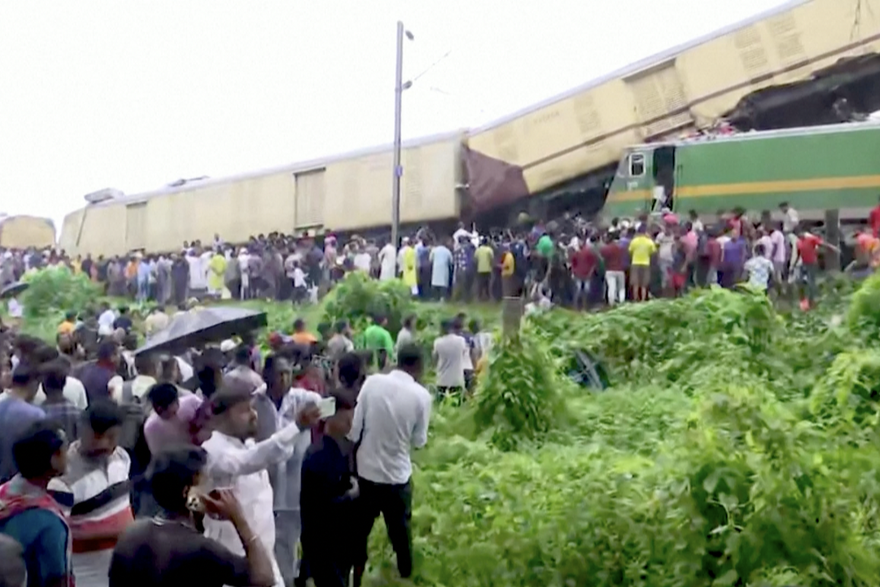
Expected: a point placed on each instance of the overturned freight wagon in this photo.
(22, 232)
(814, 169)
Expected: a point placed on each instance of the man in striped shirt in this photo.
(97, 485)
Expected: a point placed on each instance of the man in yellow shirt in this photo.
(508, 274)
(641, 248)
(69, 324)
(484, 257)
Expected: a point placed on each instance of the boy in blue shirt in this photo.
(30, 515)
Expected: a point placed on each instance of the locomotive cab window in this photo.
(636, 165)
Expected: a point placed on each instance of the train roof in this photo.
(641, 65)
(763, 134)
(4, 218)
(298, 167)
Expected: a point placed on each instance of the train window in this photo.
(636, 165)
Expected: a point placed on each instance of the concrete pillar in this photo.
(832, 237)
(511, 316)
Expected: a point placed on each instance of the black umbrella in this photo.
(204, 325)
(13, 289)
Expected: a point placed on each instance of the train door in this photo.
(664, 172)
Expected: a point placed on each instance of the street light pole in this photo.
(398, 169)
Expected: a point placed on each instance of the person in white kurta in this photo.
(236, 462)
(276, 405)
(388, 261)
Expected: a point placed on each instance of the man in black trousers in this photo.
(391, 417)
(327, 500)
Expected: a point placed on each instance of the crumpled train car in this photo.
(585, 131)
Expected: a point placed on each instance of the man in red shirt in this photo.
(615, 279)
(808, 251)
(583, 264)
(874, 219)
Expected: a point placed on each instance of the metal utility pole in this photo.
(398, 169)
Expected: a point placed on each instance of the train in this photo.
(346, 193)
(564, 149)
(23, 232)
(813, 169)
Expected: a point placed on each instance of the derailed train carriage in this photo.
(786, 67)
(23, 232)
(780, 68)
(347, 193)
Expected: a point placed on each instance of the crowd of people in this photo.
(219, 466)
(567, 261)
(214, 466)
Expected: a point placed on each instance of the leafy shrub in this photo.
(849, 392)
(358, 298)
(863, 316)
(57, 289)
(519, 398)
(634, 340)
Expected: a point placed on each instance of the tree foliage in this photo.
(737, 446)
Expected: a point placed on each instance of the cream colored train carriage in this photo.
(22, 232)
(348, 192)
(692, 85)
(579, 135)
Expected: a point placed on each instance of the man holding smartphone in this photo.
(237, 462)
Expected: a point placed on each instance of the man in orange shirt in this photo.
(867, 252)
(301, 335)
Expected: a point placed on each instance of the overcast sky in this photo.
(134, 94)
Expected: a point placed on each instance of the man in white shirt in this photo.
(449, 352)
(236, 462)
(790, 219)
(106, 320)
(390, 418)
(198, 281)
(460, 233)
(244, 265)
(362, 260)
(778, 256)
(74, 392)
(388, 262)
(276, 404)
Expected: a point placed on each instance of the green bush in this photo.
(738, 446)
(519, 397)
(57, 289)
(357, 298)
(863, 316)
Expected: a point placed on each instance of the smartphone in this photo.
(193, 502)
(327, 407)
